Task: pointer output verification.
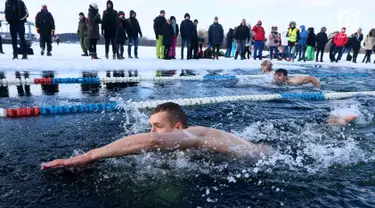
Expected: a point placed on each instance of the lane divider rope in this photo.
(105, 80)
(90, 108)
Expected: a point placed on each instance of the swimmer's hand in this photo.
(60, 163)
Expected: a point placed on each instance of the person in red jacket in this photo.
(340, 40)
(259, 38)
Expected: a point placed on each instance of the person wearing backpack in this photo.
(16, 14)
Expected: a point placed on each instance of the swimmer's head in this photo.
(168, 117)
(266, 66)
(281, 75)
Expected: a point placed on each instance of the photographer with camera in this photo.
(274, 38)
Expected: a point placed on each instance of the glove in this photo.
(296, 44)
(157, 37)
(53, 33)
(141, 35)
(37, 30)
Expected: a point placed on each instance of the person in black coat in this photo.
(194, 41)
(1, 43)
(229, 41)
(109, 28)
(215, 37)
(321, 42)
(134, 30)
(187, 30)
(159, 23)
(176, 32)
(16, 14)
(167, 38)
(45, 26)
(242, 36)
(121, 35)
(356, 40)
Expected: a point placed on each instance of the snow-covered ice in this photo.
(68, 57)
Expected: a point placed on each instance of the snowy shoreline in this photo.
(67, 57)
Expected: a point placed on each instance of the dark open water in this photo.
(315, 165)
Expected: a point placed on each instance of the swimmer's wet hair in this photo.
(282, 71)
(176, 114)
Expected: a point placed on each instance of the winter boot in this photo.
(15, 56)
(24, 56)
(242, 56)
(94, 57)
(217, 57)
(49, 53)
(136, 57)
(106, 56)
(236, 56)
(85, 54)
(42, 52)
(130, 56)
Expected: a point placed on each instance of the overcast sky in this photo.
(312, 13)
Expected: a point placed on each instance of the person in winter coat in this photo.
(303, 34)
(293, 37)
(249, 43)
(332, 46)
(274, 43)
(311, 42)
(229, 40)
(187, 30)
(340, 40)
(242, 36)
(1, 43)
(16, 14)
(369, 46)
(259, 39)
(215, 37)
(134, 29)
(109, 28)
(45, 26)
(356, 40)
(159, 23)
(168, 34)
(284, 45)
(93, 21)
(82, 33)
(176, 31)
(194, 41)
(121, 35)
(321, 42)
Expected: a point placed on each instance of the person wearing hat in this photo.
(134, 30)
(274, 43)
(259, 38)
(82, 33)
(16, 15)
(121, 35)
(45, 26)
(93, 21)
(176, 31)
(187, 31)
(356, 40)
(109, 28)
(159, 23)
(340, 40)
(293, 38)
(215, 37)
(321, 42)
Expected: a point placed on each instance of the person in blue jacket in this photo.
(303, 34)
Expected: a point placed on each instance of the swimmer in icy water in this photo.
(266, 66)
(169, 132)
(281, 77)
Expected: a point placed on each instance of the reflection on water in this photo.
(49, 89)
(4, 90)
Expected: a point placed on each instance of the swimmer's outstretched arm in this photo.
(128, 146)
(304, 80)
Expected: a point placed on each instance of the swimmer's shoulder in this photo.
(198, 130)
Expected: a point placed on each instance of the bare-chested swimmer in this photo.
(281, 77)
(169, 132)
